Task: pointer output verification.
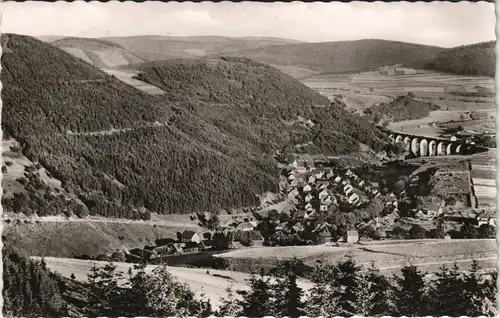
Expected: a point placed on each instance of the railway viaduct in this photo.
(421, 146)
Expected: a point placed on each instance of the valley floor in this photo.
(212, 283)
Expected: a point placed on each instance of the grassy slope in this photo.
(165, 47)
(255, 102)
(70, 239)
(392, 255)
(101, 53)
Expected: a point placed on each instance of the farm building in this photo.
(245, 226)
(190, 236)
(487, 218)
(387, 71)
(351, 237)
(235, 245)
(405, 71)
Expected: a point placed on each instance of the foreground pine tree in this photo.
(410, 291)
(259, 301)
(288, 295)
(29, 289)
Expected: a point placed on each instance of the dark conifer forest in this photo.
(205, 145)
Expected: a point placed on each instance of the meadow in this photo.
(212, 283)
(392, 254)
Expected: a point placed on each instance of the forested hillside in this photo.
(205, 145)
(475, 59)
(170, 162)
(258, 103)
(29, 288)
(365, 55)
(344, 57)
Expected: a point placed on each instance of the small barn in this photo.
(351, 236)
(245, 226)
(405, 71)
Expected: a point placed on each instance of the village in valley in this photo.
(321, 202)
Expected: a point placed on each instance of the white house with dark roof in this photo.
(308, 197)
(351, 237)
(353, 199)
(348, 189)
(323, 194)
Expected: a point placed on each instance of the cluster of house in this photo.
(328, 187)
(189, 242)
(396, 70)
(472, 216)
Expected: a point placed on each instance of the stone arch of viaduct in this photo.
(426, 146)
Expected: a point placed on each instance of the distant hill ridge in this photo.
(474, 59)
(302, 59)
(370, 54)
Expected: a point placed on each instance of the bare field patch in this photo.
(126, 76)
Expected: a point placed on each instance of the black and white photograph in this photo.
(248, 159)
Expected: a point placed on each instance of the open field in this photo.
(392, 255)
(427, 83)
(362, 90)
(126, 76)
(294, 71)
(213, 284)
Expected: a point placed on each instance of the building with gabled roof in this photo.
(351, 236)
(323, 194)
(190, 236)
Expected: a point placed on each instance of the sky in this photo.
(442, 24)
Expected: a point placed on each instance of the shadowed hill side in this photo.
(258, 103)
(475, 59)
(119, 150)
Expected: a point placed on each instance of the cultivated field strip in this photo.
(381, 254)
